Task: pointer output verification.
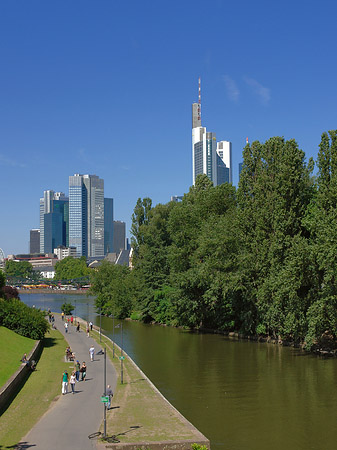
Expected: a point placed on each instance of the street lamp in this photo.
(100, 323)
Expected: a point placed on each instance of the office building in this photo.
(54, 220)
(118, 236)
(86, 215)
(108, 225)
(63, 252)
(209, 157)
(34, 241)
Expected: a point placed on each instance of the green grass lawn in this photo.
(28, 407)
(11, 351)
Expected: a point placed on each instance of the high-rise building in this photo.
(118, 236)
(34, 242)
(209, 157)
(108, 225)
(54, 220)
(86, 215)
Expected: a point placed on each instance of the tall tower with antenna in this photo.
(209, 157)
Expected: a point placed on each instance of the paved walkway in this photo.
(73, 417)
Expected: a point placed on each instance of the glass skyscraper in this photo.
(54, 220)
(86, 215)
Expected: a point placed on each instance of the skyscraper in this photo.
(34, 242)
(54, 220)
(208, 157)
(86, 215)
(118, 236)
(108, 225)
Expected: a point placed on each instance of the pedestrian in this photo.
(78, 327)
(65, 379)
(87, 330)
(62, 316)
(90, 325)
(72, 381)
(109, 394)
(71, 320)
(77, 368)
(83, 371)
(92, 353)
(66, 326)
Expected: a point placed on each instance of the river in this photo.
(241, 395)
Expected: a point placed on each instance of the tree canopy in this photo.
(260, 259)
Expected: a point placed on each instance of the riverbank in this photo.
(141, 417)
(54, 291)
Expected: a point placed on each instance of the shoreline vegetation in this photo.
(257, 260)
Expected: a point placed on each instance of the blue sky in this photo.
(105, 87)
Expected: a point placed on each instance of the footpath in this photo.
(73, 418)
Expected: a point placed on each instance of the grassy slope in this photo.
(28, 407)
(11, 351)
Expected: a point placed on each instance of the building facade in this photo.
(108, 225)
(54, 220)
(34, 241)
(86, 215)
(119, 230)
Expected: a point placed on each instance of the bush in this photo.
(67, 308)
(22, 319)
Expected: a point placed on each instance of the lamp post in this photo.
(104, 404)
(100, 325)
(122, 357)
(113, 335)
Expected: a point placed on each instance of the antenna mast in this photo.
(199, 101)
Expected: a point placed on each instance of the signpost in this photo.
(105, 399)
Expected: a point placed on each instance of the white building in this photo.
(63, 252)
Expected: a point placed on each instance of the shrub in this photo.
(67, 308)
(22, 319)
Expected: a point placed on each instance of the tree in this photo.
(274, 192)
(19, 269)
(71, 268)
(2, 280)
(110, 283)
(140, 217)
(67, 308)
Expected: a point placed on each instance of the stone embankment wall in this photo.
(9, 390)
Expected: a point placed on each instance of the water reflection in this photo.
(241, 395)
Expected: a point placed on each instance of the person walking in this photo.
(62, 316)
(72, 381)
(109, 394)
(77, 370)
(83, 371)
(92, 353)
(88, 330)
(72, 320)
(90, 325)
(78, 327)
(65, 379)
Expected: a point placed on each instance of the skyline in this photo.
(107, 89)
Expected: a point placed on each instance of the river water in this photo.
(241, 395)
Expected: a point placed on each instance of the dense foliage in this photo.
(22, 319)
(67, 308)
(71, 268)
(260, 259)
(19, 269)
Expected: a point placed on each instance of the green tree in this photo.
(322, 223)
(140, 217)
(274, 192)
(67, 308)
(110, 283)
(19, 269)
(71, 268)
